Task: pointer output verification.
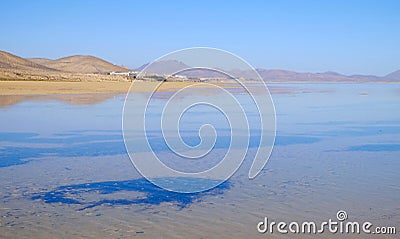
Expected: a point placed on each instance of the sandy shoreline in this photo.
(102, 87)
(72, 92)
(89, 87)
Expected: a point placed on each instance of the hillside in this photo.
(13, 62)
(75, 68)
(40, 61)
(393, 76)
(81, 64)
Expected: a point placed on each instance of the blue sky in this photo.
(350, 37)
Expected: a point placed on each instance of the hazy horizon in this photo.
(348, 38)
(260, 68)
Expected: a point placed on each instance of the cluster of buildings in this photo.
(157, 77)
(128, 73)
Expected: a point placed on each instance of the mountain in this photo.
(81, 64)
(77, 68)
(74, 68)
(169, 67)
(273, 75)
(72, 64)
(393, 76)
(329, 76)
(283, 75)
(163, 67)
(40, 61)
(13, 62)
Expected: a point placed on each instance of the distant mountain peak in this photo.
(332, 73)
(163, 67)
(394, 75)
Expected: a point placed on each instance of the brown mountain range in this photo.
(73, 68)
(80, 68)
(10, 61)
(79, 64)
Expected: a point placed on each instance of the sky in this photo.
(349, 37)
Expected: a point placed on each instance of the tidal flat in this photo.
(65, 172)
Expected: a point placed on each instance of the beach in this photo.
(86, 87)
(198, 120)
(68, 174)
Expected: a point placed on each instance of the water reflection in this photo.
(375, 147)
(369, 130)
(100, 143)
(81, 99)
(149, 194)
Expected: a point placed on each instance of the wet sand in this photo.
(59, 185)
(12, 88)
(91, 92)
(58, 87)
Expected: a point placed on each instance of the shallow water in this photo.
(65, 173)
